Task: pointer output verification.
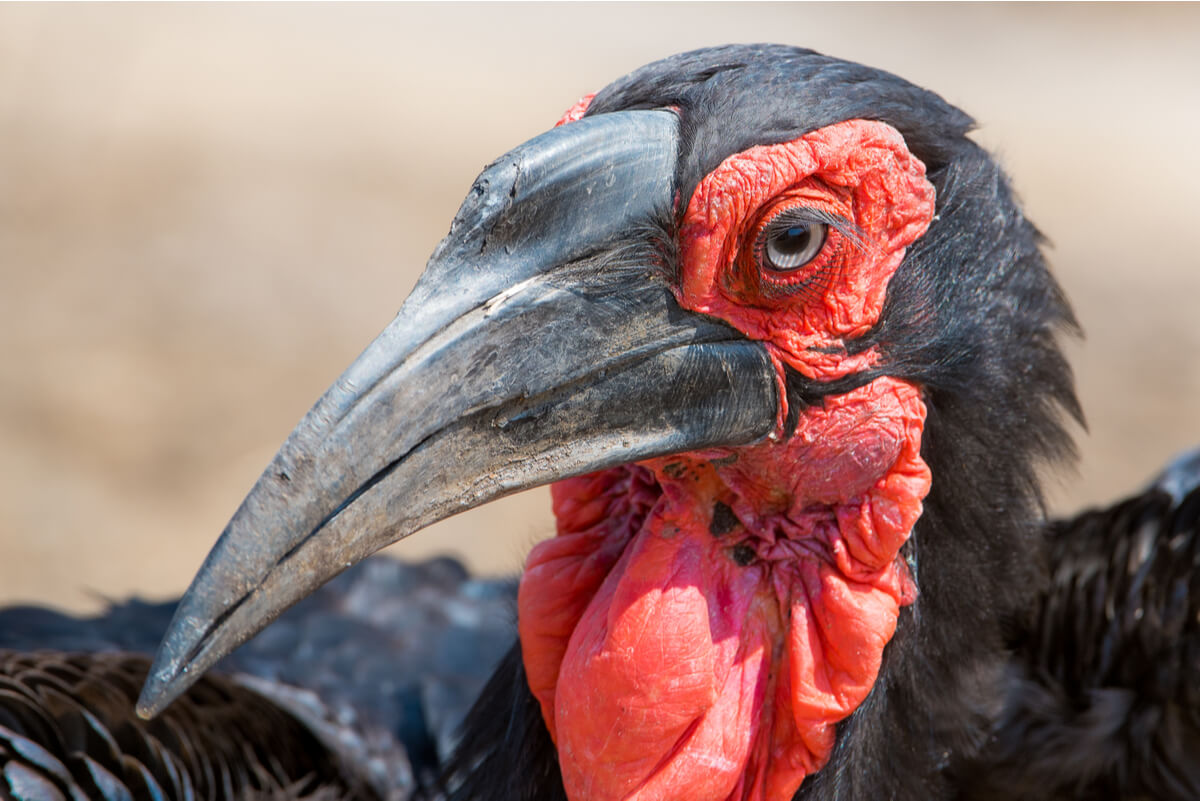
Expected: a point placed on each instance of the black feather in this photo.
(67, 730)
(736, 96)
(357, 691)
(1103, 697)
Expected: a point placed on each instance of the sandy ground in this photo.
(207, 211)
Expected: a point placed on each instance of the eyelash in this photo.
(813, 277)
(786, 247)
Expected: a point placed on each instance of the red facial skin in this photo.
(576, 111)
(701, 622)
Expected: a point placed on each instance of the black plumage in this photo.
(1103, 697)
(69, 731)
(357, 692)
(1036, 661)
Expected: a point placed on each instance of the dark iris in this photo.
(794, 246)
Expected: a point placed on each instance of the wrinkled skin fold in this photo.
(711, 658)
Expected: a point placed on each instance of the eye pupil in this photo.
(794, 246)
(795, 240)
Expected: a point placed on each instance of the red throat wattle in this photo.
(701, 622)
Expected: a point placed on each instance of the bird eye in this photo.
(791, 246)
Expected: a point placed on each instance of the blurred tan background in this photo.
(206, 211)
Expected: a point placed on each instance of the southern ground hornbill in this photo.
(781, 335)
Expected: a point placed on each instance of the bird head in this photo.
(785, 342)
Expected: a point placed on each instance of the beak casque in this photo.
(543, 341)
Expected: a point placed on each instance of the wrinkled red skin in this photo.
(576, 111)
(678, 650)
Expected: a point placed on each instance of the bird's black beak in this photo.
(543, 341)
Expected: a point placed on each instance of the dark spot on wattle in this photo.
(675, 470)
(743, 555)
(723, 520)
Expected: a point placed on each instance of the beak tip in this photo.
(166, 680)
(162, 687)
(152, 700)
